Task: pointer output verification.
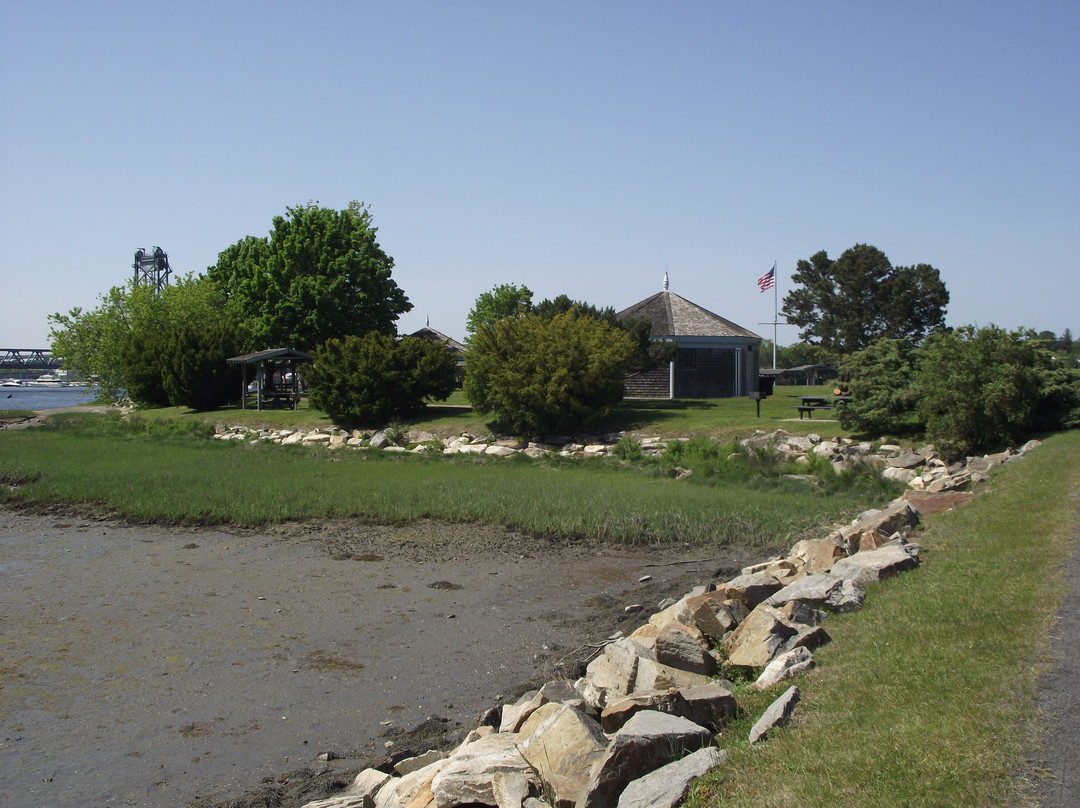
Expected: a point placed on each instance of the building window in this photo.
(687, 359)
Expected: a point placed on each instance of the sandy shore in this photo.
(157, 666)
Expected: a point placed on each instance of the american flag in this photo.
(768, 280)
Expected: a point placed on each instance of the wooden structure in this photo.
(276, 381)
(716, 357)
(456, 349)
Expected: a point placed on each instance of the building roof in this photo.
(429, 333)
(674, 316)
(272, 353)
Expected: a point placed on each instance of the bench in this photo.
(808, 409)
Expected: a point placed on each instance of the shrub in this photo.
(882, 388)
(143, 368)
(194, 371)
(980, 389)
(546, 375)
(369, 380)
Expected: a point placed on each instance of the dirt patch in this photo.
(149, 665)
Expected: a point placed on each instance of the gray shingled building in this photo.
(716, 357)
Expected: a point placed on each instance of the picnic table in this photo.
(810, 404)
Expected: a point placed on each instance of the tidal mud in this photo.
(168, 666)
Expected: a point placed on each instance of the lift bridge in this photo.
(28, 359)
(151, 267)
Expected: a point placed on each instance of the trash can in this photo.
(765, 384)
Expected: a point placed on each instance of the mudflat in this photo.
(166, 666)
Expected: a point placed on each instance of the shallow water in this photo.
(43, 398)
(150, 666)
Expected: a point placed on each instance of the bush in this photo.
(546, 375)
(369, 380)
(980, 389)
(194, 371)
(882, 389)
(143, 369)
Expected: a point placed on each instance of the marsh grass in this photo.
(924, 696)
(146, 470)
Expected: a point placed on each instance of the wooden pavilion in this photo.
(276, 381)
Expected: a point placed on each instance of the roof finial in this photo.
(665, 282)
(427, 321)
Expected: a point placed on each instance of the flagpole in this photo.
(775, 315)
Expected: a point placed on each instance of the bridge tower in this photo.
(152, 267)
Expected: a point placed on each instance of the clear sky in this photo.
(582, 148)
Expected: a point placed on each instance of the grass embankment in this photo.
(161, 471)
(924, 696)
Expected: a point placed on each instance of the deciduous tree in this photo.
(320, 274)
(504, 300)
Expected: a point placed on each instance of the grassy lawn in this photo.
(723, 418)
(924, 696)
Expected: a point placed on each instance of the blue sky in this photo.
(580, 148)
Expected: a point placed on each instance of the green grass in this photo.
(16, 414)
(924, 696)
(721, 418)
(168, 470)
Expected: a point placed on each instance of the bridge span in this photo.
(28, 359)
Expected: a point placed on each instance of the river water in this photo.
(44, 398)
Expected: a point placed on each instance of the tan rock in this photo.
(467, 776)
(752, 589)
(759, 638)
(563, 748)
(652, 675)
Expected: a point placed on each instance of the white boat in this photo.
(47, 380)
(11, 383)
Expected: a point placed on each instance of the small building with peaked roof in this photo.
(716, 358)
(456, 349)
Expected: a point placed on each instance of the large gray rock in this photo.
(907, 460)
(714, 614)
(467, 776)
(777, 714)
(684, 647)
(710, 705)
(409, 765)
(646, 742)
(871, 566)
(898, 516)
(822, 590)
(563, 745)
(665, 787)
